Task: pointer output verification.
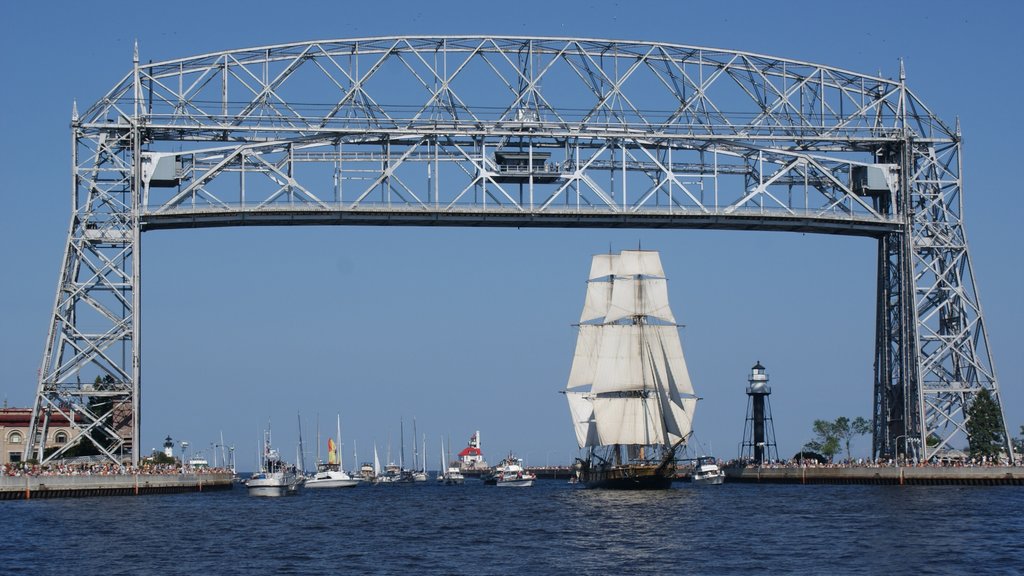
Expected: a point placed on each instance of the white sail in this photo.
(602, 265)
(581, 407)
(640, 391)
(619, 365)
(584, 362)
(376, 461)
(599, 294)
(639, 263)
(630, 419)
(639, 296)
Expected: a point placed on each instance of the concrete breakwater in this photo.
(896, 475)
(28, 487)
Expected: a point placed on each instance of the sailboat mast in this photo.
(301, 460)
(338, 447)
(318, 461)
(415, 452)
(401, 443)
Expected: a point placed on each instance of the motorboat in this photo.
(275, 477)
(707, 472)
(511, 473)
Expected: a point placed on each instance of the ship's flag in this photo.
(332, 452)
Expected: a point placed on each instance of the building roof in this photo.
(21, 417)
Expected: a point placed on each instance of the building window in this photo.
(60, 438)
(14, 437)
(14, 457)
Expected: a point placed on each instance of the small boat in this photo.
(275, 477)
(453, 476)
(510, 472)
(331, 475)
(449, 475)
(706, 472)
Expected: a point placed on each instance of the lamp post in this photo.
(904, 436)
(184, 447)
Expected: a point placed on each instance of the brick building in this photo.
(14, 424)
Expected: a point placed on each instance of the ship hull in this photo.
(627, 477)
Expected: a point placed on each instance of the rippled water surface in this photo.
(551, 528)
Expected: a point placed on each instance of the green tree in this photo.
(985, 432)
(829, 437)
(825, 440)
(846, 430)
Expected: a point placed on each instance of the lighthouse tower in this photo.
(759, 430)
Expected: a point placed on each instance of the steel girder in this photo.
(515, 131)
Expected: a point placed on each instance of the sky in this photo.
(471, 329)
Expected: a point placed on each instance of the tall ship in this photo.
(629, 392)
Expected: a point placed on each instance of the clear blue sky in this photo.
(470, 329)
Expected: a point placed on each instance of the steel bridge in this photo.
(524, 132)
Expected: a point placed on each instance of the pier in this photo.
(899, 475)
(28, 487)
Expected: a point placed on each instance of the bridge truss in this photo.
(525, 132)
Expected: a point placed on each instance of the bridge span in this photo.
(523, 132)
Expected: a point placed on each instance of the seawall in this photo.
(29, 487)
(901, 476)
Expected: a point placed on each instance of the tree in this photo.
(846, 431)
(825, 440)
(829, 436)
(985, 432)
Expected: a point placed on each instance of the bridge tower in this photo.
(523, 132)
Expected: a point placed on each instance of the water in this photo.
(550, 528)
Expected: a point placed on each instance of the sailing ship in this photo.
(629, 391)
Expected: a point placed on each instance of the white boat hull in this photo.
(516, 483)
(708, 476)
(273, 486)
(331, 483)
(331, 479)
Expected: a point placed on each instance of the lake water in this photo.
(551, 528)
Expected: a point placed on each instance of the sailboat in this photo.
(449, 475)
(629, 391)
(421, 474)
(332, 475)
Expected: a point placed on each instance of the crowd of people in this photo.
(103, 469)
(878, 463)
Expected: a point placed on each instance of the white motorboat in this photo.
(327, 478)
(453, 476)
(275, 477)
(511, 473)
(707, 472)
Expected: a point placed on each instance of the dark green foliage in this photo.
(985, 432)
(830, 436)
